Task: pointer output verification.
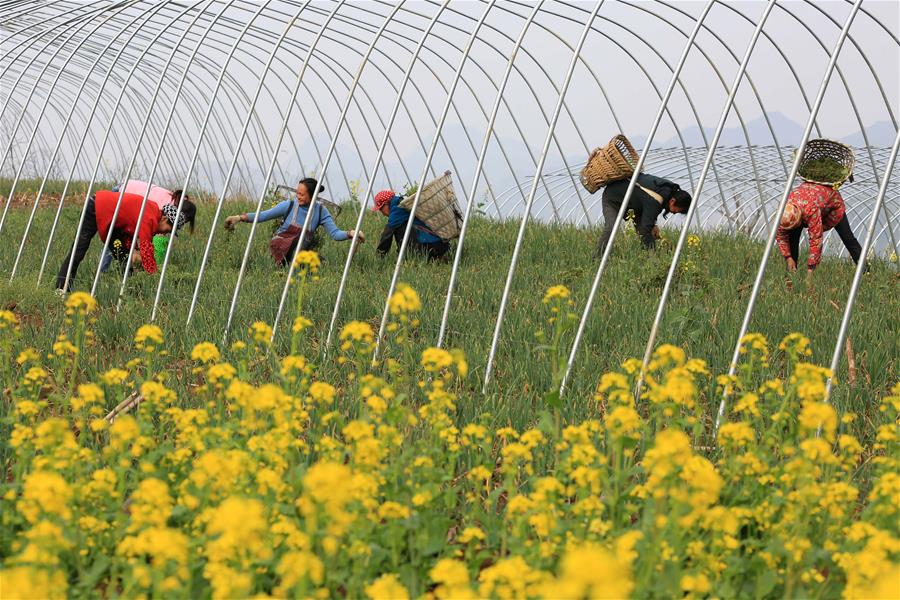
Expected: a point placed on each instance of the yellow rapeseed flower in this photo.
(307, 260)
(387, 587)
(45, 493)
(81, 303)
(205, 352)
(404, 301)
(148, 334)
(261, 332)
(556, 292)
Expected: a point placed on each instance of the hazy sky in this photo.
(630, 53)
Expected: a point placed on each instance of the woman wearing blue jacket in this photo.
(422, 240)
(293, 212)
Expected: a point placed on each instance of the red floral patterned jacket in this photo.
(821, 208)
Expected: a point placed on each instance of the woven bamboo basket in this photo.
(612, 162)
(438, 207)
(821, 148)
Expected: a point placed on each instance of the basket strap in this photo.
(651, 193)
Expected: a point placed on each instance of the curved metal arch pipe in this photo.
(412, 212)
(300, 74)
(127, 122)
(58, 111)
(321, 171)
(137, 149)
(683, 87)
(24, 10)
(757, 284)
(209, 109)
(50, 163)
(319, 175)
(513, 262)
(370, 180)
(451, 286)
(236, 87)
(319, 58)
(324, 60)
(43, 108)
(475, 96)
(21, 49)
(654, 329)
(103, 146)
(849, 89)
(148, 14)
(860, 269)
(70, 34)
(631, 184)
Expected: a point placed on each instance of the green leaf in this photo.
(765, 584)
(552, 399)
(96, 572)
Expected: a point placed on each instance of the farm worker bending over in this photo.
(651, 195)
(422, 240)
(284, 244)
(818, 208)
(160, 197)
(98, 218)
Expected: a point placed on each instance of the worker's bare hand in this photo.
(655, 232)
(353, 233)
(791, 264)
(136, 260)
(231, 221)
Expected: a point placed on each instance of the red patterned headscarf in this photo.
(382, 198)
(791, 217)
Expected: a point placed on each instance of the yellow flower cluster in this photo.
(307, 260)
(265, 477)
(404, 301)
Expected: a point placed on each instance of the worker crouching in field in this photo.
(284, 245)
(98, 219)
(651, 196)
(422, 241)
(818, 208)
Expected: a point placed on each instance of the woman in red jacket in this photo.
(818, 208)
(98, 218)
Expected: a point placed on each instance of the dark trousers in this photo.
(88, 231)
(844, 232)
(610, 212)
(310, 242)
(432, 251)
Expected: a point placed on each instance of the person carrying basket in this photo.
(611, 167)
(817, 205)
(424, 241)
(651, 196)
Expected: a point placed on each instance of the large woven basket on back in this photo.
(438, 207)
(609, 163)
(827, 149)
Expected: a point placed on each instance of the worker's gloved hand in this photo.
(232, 220)
(655, 232)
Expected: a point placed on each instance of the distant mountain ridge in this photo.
(787, 132)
